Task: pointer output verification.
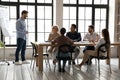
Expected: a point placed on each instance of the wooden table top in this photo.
(81, 43)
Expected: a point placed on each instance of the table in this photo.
(39, 61)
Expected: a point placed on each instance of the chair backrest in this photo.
(64, 52)
(104, 48)
(34, 50)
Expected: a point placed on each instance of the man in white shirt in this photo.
(91, 36)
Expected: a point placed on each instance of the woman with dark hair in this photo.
(62, 39)
(88, 53)
(106, 36)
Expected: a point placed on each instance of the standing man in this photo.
(21, 38)
(91, 36)
(75, 36)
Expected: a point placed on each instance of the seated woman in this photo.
(88, 53)
(53, 35)
(60, 41)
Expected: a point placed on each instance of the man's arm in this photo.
(85, 37)
(67, 34)
(78, 37)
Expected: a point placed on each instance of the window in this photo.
(69, 16)
(84, 20)
(100, 19)
(12, 20)
(39, 21)
(101, 2)
(44, 16)
(84, 13)
(85, 1)
(10, 0)
(70, 1)
(29, 1)
(44, 1)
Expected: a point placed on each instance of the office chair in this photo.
(73, 53)
(104, 49)
(35, 55)
(64, 53)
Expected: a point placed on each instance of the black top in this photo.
(75, 36)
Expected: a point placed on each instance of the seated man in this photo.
(75, 36)
(60, 41)
(91, 36)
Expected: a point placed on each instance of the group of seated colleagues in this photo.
(74, 36)
(88, 53)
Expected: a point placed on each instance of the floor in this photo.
(24, 72)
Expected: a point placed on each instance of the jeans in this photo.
(21, 46)
(88, 48)
(59, 64)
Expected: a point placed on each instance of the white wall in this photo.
(58, 13)
(10, 53)
(112, 25)
(112, 19)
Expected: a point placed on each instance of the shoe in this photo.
(89, 62)
(63, 70)
(78, 66)
(25, 62)
(60, 70)
(54, 61)
(69, 62)
(18, 63)
(86, 62)
(73, 62)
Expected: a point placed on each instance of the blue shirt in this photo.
(75, 36)
(21, 28)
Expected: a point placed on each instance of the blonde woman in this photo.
(54, 33)
(52, 36)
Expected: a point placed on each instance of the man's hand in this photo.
(26, 32)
